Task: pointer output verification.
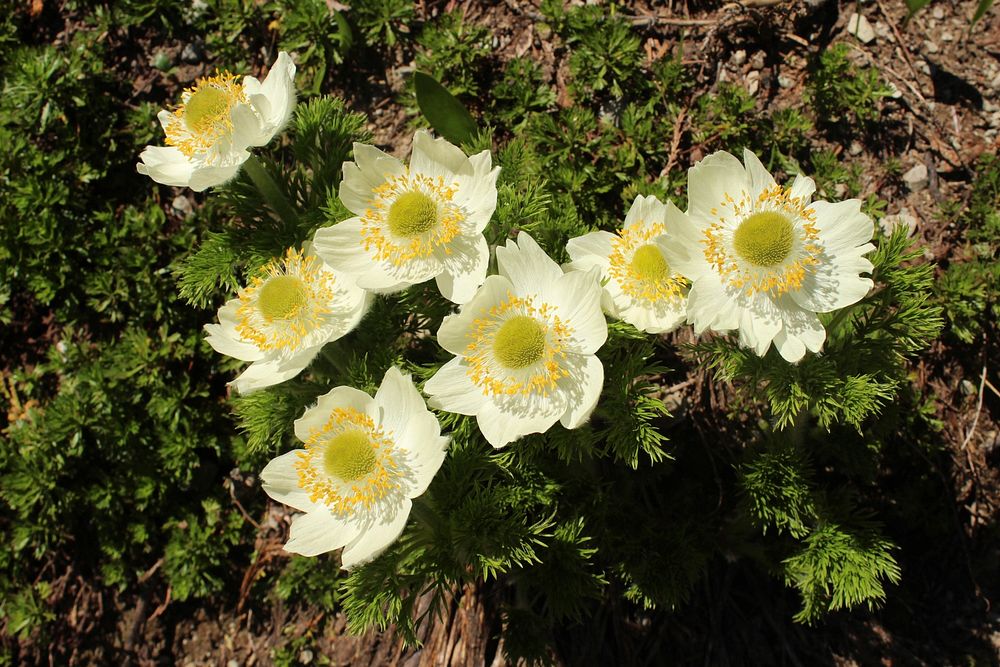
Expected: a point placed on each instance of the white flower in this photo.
(364, 460)
(414, 223)
(640, 287)
(524, 348)
(764, 259)
(218, 120)
(284, 317)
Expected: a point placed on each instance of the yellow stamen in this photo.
(507, 337)
(410, 233)
(764, 239)
(412, 214)
(349, 463)
(771, 226)
(519, 342)
(290, 300)
(646, 276)
(205, 115)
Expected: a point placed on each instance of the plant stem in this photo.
(270, 191)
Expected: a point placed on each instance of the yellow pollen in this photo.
(282, 297)
(349, 463)
(764, 239)
(412, 214)
(760, 254)
(519, 343)
(649, 265)
(205, 107)
(204, 118)
(291, 298)
(349, 456)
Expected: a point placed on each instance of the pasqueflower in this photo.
(524, 348)
(415, 222)
(282, 319)
(640, 287)
(768, 259)
(218, 120)
(364, 460)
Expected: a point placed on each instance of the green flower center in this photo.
(764, 239)
(349, 456)
(281, 297)
(205, 106)
(649, 265)
(520, 342)
(412, 214)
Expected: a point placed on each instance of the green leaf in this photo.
(914, 6)
(447, 115)
(981, 9)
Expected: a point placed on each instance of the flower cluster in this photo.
(747, 255)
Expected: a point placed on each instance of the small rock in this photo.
(995, 82)
(882, 30)
(930, 46)
(785, 81)
(896, 92)
(924, 67)
(937, 12)
(840, 189)
(757, 61)
(306, 656)
(855, 148)
(233, 663)
(968, 388)
(182, 204)
(947, 37)
(916, 178)
(989, 106)
(859, 26)
(902, 219)
(192, 53)
(753, 82)
(739, 57)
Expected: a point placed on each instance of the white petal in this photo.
(399, 402)
(646, 210)
(347, 398)
(760, 321)
(526, 265)
(656, 319)
(477, 194)
(370, 169)
(279, 91)
(228, 346)
(803, 187)
(464, 269)
(438, 157)
(270, 371)
(376, 538)
(800, 329)
(318, 532)
(711, 180)
(340, 246)
(791, 348)
(583, 388)
(577, 296)
(451, 390)
(709, 307)
(834, 285)
(760, 178)
(166, 165)
(247, 127)
(842, 226)
(501, 428)
(204, 177)
(425, 450)
(590, 247)
(684, 251)
(281, 482)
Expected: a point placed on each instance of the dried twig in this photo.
(979, 408)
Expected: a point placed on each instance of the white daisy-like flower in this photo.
(364, 460)
(282, 319)
(217, 121)
(524, 348)
(640, 287)
(764, 259)
(415, 222)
